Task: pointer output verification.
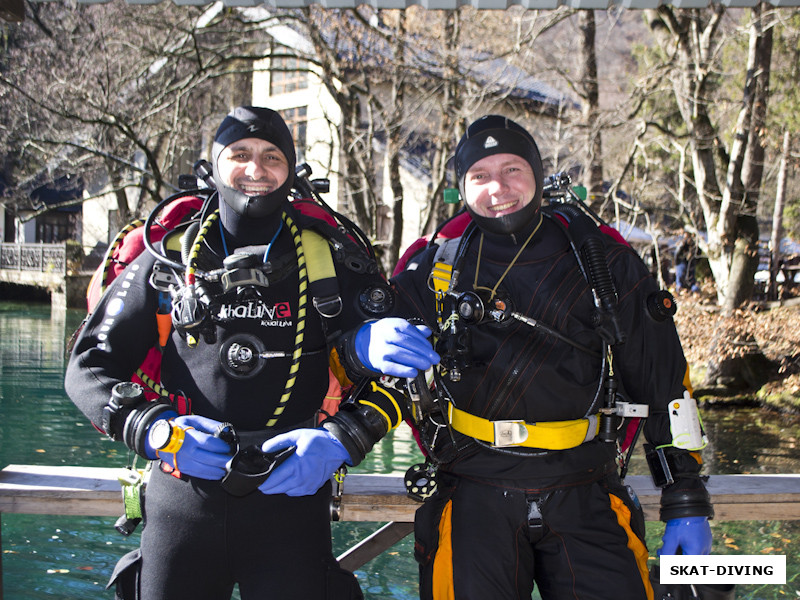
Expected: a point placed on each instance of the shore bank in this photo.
(771, 331)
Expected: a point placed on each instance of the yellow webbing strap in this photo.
(322, 281)
(441, 274)
(553, 435)
(318, 256)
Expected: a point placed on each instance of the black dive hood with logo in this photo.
(265, 124)
(494, 134)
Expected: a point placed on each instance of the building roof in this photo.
(480, 4)
(495, 75)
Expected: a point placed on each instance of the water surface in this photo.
(48, 556)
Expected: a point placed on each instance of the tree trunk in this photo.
(394, 145)
(739, 362)
(731, 226)
(593, 165)
(437, 210)
(745, 171)
(777, 219)
(353, 202)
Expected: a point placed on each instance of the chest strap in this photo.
(553, 435)
(440, 279)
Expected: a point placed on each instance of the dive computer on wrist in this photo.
(165, 437)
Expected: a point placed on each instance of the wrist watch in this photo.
(165, 437)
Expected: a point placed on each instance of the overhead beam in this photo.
(12, 10)
(453, 4)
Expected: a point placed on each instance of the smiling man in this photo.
(253, 169)
(259, 304)
(521, 432)
(500, 185)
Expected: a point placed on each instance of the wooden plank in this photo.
(373, 545)
(12, 10)
(735, 497)
(376, 498)
(95, 491)
(48, 490)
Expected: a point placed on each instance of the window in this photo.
(287, 74)
(296, 119)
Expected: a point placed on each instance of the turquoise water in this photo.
(72, 557)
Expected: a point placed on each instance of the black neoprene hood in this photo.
(495, 134)
(265, 124)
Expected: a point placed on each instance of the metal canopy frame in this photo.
(479, 4)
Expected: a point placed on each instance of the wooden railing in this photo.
(95, 491)
(43, 258)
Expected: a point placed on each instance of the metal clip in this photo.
(509, 433)
(336, 496)
(630, 410)
(329, 307)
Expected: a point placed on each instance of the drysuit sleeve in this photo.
(653, 371)
(114, 339)
(374, 408)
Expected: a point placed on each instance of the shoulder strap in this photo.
(322, 281)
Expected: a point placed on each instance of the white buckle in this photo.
(509, 433)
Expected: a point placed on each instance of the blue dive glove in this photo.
(201, 454)
(318, 456)
(691, 534)
(395, 347)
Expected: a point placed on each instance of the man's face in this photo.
(253, 166)
(499, 185)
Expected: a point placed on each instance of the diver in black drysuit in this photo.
(515, 373)
(199, 541)
(504, 518)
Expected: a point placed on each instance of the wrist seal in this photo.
(353, 366)
(138, 423)
(694, 502)
(358, 428)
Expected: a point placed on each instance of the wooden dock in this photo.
(95, 491)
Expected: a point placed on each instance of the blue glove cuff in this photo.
(354, 365)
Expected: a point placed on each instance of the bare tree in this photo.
(726, 184)
(728, 212)
(593, 165)
(117, 91)
(777, 218)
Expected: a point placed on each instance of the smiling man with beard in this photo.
(242, 491)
